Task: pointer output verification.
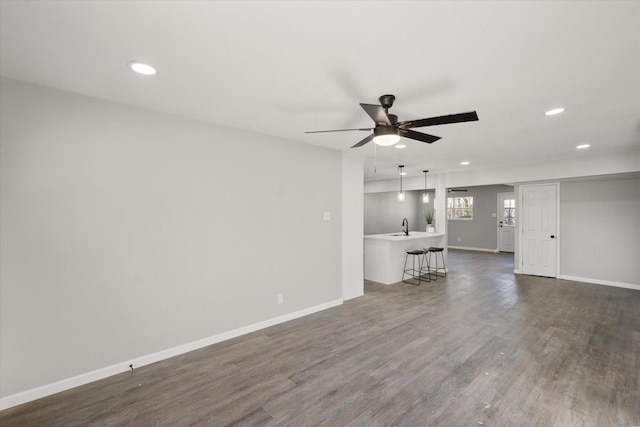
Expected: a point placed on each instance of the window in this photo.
(460, 207)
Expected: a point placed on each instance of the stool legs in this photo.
(416, 273)
(437, 268)
(426, 268)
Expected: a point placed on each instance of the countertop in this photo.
(400, 236)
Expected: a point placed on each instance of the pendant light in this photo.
(425, 195)
(401, 193)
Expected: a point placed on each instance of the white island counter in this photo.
(384, 254)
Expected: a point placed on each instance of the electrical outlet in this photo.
(280, 299)
(459, 238)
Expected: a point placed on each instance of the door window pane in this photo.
(509, 212)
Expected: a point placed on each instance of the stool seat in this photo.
(434, 249)
(416, 252)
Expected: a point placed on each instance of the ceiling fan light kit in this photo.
(388, 130)
(385, 136)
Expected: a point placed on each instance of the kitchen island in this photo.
(384, 254)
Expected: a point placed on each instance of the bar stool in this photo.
(435, 252)
(416, 274)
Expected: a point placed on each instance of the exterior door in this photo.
(539, 213)
(506, 221)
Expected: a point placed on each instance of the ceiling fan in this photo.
(388, 129)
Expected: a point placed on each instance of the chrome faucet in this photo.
(405, 222)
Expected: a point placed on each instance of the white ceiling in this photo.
(282, 68)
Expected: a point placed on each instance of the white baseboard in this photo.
(98, 374)
(462, 248)
(594, 281)
(600, 282)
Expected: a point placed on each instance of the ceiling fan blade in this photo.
(337, 130)
(376, 112)
(424, 137)
(364, 141)
(440, 120)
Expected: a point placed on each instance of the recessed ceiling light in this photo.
(465, 163)
(582, 146)
(142, 68)
(400, 146)
(554, 111)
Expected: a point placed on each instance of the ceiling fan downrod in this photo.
(386, 101)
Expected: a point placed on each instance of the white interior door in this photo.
(506, 221)
(539, 213)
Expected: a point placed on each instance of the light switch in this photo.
(326, 216)
(493, 215)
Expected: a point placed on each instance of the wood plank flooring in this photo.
(479, 347)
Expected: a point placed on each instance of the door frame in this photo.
(520, 234)
(499, 216)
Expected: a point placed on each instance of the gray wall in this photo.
(600, 230)
(127, 232)
(383, 213)
(481, 232)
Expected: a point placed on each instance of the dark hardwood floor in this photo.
(479, 347)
